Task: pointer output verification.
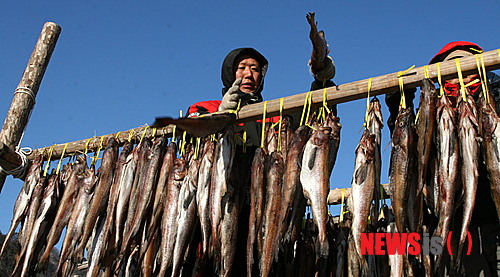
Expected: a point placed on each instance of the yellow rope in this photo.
(48, 161)
(402, 103)
(304, 109)
(461, 79)
(441, 89)
(60, 160)
(263, 125)
(366, 123)
(280, 124)
(96, 155)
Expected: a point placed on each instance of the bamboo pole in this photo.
(26, 91)
(335, 95)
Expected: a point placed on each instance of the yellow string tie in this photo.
(48, 161)
(263, 125)
(60, 159)
(472, 83)
(402, 103)
(366, 123)
(183, 144)
(309, 104)
(244, 138)
(485, 82)
(426, 72)
(143, 133)
(381, 214)
(173, 134)
(280, 124)
(197, 148)
(342, 206)
(96, 155)
(461, 80)
(304, 109)
(154, 132)
(478, 65)
(130, 135)
(86, 149)
(441, 90)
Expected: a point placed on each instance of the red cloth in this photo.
(454, 89)
(203, 107)
(452, 46)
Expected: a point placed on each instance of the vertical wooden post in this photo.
(24, 96)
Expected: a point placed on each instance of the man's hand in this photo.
(230, 99)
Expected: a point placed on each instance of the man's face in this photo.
(248, 69)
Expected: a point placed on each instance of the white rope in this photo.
(19, 171)
(27, 91)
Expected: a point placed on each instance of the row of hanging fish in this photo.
(433, 172)
(149, 211)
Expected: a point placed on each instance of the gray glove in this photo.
(230, 99)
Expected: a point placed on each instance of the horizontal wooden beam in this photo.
(335, 195)
(335, 95)
(380, 85)
(92, 144)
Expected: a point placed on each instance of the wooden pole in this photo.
(335, 195)
(25, 93)
(335, 95)
(92, 144)
(380, 85)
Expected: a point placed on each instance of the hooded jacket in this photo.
(228, 71)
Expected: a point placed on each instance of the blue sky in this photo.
(119, 64)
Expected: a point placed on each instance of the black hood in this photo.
(229, 70)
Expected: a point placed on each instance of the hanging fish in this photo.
(426, 130)
(169, 219)
(448, 153)
(468, 141)
(125, 188)
(145, 190)
(490, 130)
(74, 229)
(272, 208)
(403, 157)
(75, 179)
(186, 217)
(315, 180)
(257, 188)
(203, 192)
(161, 191)
(23, 199)
(101, 193)
(221, 170)
(363, 184)
(45, 217)
(291, 177)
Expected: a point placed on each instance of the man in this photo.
(484, 227)
(243, 72)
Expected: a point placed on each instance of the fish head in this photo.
(180, 169)
(89, 180)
